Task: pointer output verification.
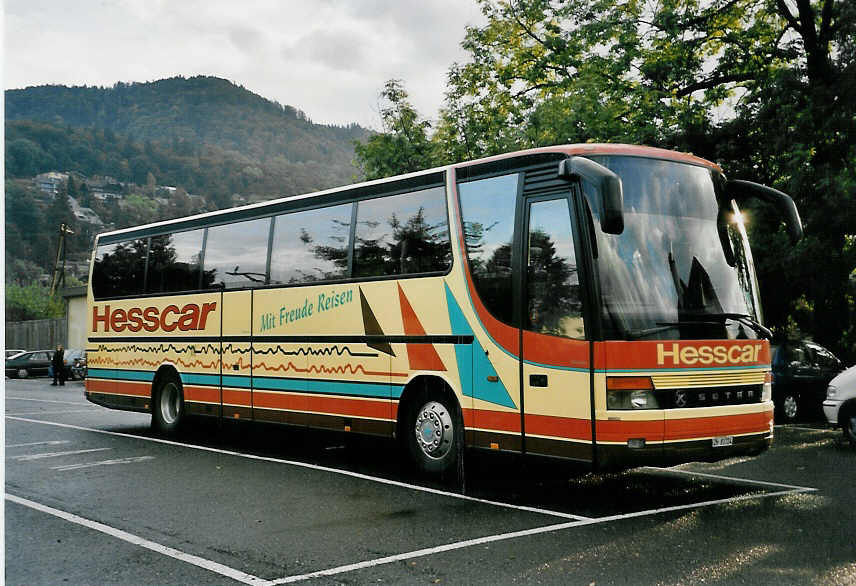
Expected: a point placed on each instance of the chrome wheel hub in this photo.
(789, 407)
(170, 403)
(434, 430)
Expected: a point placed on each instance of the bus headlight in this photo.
(638, 399)
(643, 400)
(631, 392)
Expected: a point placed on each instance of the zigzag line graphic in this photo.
(161, 348)
(306, 351)
(313, 369)
(320, 369)
(108, 361)
(212, 348)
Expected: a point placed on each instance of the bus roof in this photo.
(569, 150)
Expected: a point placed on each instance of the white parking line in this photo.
(385, 481)
(48, 401)
(136, 540)
(731, 478)
(47, 443)
(249, 579)
(817, 429)
(523, 533)
(53, 412)
(131, 460)
(29, 457)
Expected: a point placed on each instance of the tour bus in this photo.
(596, 303)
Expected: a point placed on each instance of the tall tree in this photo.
(403, 145)
(763, 86)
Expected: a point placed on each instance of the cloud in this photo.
(341, 50)
(329, 58)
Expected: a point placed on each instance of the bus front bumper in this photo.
(621, 456)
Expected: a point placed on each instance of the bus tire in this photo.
(168, 405)
(433, 433)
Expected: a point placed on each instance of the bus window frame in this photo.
(273, 210)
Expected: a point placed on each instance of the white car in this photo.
(840, 404)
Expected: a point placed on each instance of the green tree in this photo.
(763, 86)
(33, 301)
(403, 146)
(24, 226)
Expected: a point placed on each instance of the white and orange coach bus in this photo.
(590, 302)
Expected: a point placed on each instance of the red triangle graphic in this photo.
(421, 356)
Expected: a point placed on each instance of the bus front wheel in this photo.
(168, 405)
(434, 434)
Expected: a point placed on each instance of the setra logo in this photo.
(151, 319)
(690, 355)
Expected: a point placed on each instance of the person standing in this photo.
(58, 366)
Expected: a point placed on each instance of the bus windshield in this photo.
(681, 269)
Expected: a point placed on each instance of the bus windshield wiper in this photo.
(743, 318)
(747, 320)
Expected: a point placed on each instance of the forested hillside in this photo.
(149, 145)
(182, 131)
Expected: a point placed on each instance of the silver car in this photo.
(840, 404)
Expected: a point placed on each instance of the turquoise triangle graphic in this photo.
(476, 364)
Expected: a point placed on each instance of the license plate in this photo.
(725, 440)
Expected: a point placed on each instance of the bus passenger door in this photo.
(555, 366)
(235, 390)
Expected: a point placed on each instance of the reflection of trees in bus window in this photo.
(236, 254)
(174, 263)
(119, 269)
(554, 303)
(487, 207)
(311, 245)
(402, 234)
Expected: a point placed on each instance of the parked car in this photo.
(36, 363)
(840, 404)
(75, 364)
(801, 373)
(10, 352)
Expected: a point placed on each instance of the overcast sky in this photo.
(329, 58)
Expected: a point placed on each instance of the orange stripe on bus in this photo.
(327, 405)
(564, 427)
(201, 394)
(684, 429)
(234, 397)
(621, 431)
(115, 387)
(677, 429)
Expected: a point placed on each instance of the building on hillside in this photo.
(101, 195)
(50, 182)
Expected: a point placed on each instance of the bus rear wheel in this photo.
(168, 405)
(433, 433)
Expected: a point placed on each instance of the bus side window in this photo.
(119, 269)
(402, 234)
(236, 254)
(487, 208)
(174, 262)
(553, 286)
(311, 245)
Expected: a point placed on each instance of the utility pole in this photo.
(58, 278)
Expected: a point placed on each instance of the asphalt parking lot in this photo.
(93, 497)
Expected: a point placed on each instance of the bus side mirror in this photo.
(608, 185)
(741, 190)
